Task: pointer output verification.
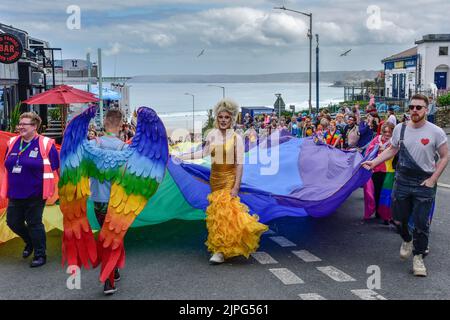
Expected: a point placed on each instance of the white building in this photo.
(423, 68)
(433, 51)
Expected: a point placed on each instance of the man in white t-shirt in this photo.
(417, 173)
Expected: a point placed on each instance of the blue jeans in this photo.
(409, 198)
(28, 211)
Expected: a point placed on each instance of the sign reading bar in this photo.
(10, 48)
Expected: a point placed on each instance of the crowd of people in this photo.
(126, 133)
(349, 129)
(32, 164)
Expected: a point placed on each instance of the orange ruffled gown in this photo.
(231, 229)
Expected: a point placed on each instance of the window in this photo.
(443, 51)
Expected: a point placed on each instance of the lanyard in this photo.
(22, 150)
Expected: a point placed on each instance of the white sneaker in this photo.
(217, 258)
(406, 250)
(419, 267)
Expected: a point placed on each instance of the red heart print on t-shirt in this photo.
(425, 141)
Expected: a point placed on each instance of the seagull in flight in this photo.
(346, 53)
(201, 53)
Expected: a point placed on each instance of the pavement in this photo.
(447, 130)
(444, 180)
(300, 258)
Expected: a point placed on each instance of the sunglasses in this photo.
(418, 108)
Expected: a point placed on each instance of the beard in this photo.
(417, 118)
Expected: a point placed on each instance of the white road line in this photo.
(367, 294)
(263, 258)
(443, 185)
(306, 256)
(269, 232)
(286, 276)
(311, 296)
(282, 241)
(335, 274)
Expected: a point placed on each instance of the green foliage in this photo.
(288, 114)
(362, 104)
(55, 114)
(14, 117)
(444, 100)
(373, 85)
(209, 122)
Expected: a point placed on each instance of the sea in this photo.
(176, 106)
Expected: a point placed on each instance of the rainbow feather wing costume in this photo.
(135, 174)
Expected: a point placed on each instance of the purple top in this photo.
(28, 183)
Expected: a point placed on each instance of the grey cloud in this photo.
(235, 30)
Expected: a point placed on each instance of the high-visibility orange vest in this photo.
(50, 177)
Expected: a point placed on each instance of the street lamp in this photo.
(223, 88)
(193, 109)
(317, 74)
(310, 36)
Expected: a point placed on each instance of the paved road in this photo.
(169, 261)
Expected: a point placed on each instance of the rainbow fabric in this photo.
(308, 180)
(331, 139)
(135, 174)
(384, 204)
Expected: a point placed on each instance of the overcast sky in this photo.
(239, 37)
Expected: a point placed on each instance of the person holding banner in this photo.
(29, 179)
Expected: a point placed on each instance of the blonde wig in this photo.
(229, 106)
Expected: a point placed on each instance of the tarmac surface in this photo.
(300, 258)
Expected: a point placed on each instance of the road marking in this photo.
(306, 256)
(335, 274)
(286, 276)
(443, 185)
(311, 296)
(282, 241)
(263, 258)
(269, 232)
(367, 294)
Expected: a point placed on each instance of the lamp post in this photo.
(317, 74)
(100, 84)
(193, 109)
(223, 88)
(310, 36)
